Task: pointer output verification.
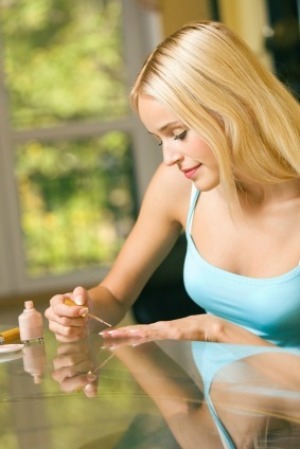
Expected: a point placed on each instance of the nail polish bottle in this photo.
(30, 323)
(34, 360)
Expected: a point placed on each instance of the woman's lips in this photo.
(190, 172)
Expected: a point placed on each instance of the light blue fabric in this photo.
(268, 307)
(211, 359)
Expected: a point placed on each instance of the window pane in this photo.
(63, 60)
(76, 201)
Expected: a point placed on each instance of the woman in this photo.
(230, 138)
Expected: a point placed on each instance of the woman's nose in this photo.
(171, 156)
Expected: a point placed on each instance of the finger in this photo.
(68, 385)
(90, 390)
(71, 339)
(136, 331)
(64, 314)
(58, 299)
(61, 371)
(66, 372)
(161, 330)
(154, 330)
(67, 334)
(74, 311)
(67, 322)
(113, 344)
(79, 347)
(80, 296)
(69, 360)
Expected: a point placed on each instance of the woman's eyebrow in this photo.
(167, 125)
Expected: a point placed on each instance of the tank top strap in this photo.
(193, 201)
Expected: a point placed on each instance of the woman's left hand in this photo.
(195, 327)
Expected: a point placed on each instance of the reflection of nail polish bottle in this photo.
(34, 360)
(30, 323)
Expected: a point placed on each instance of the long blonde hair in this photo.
(211, 79)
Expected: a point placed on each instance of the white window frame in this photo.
(141, 33)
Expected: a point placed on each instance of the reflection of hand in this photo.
(73, 368)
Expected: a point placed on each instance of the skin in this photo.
(270, 214)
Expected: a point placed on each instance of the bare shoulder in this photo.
(171, 192)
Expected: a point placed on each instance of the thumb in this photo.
(80, 296)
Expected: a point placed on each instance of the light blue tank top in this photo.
(268, 307)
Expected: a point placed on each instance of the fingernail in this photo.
(90, 390)
(108, 333)
(84, 311)
(79, 300)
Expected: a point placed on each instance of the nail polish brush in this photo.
(70, 302)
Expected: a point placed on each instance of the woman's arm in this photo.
(157, 228)
(196, 328)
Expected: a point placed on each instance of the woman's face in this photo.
(180, 145)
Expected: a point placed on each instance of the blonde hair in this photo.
(217, 86)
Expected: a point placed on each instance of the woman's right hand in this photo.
(69, 323)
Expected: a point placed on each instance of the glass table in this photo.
(151, 395)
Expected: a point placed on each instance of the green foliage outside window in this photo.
(63, 61)
(76, 201)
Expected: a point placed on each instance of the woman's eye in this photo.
(181, 136)
(158, 141)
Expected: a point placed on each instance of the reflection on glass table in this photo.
(162, 395)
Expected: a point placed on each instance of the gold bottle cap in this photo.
(10, 335)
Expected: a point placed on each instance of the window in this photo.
(74, 160)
